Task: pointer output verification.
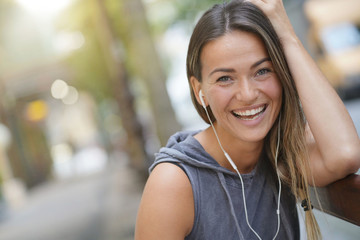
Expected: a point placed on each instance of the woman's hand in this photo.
(275, 11)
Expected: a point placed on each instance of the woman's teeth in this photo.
(249, 114)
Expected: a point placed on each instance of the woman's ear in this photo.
(196, 87)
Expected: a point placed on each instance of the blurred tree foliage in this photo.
(163, 14)
(88, 65)
(143, 62)
(119, 61)
(98, 67)
(188, 10)
(91, 71)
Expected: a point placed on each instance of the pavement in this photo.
(100, 205)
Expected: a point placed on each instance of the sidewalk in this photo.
(98, 206)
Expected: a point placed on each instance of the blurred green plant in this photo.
(87, 63)
(119, 61)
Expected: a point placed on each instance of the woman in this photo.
(276, 127)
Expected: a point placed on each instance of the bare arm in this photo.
(167, 207)
(333, 143)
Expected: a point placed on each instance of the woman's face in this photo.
(240, 85)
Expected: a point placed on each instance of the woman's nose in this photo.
(246, 91)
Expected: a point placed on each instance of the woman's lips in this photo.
(250, 114)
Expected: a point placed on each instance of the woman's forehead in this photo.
(231, 48)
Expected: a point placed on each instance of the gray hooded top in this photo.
(219, 209)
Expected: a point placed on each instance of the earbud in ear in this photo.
(201, 99)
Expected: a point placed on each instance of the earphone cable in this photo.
(278, 177)
(237, 171)
(241, 180)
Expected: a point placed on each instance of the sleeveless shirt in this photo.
(219, 208)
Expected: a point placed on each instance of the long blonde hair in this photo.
(239, 15)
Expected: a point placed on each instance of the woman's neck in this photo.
(244, 154)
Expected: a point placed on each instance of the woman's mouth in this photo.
(250, 114)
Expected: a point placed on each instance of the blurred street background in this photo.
(91, 89)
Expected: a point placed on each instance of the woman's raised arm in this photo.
(334, 145)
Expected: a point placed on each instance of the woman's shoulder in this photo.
(167, 201)
(168, 173)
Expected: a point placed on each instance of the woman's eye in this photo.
(262, 71)
(223, 79)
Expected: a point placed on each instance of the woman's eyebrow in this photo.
(228, 70)
(260, 62)
(231, 70)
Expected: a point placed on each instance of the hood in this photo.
(183, 147)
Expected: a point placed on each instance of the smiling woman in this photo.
(253, 82)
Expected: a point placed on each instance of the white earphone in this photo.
(201, 99)
(237, 171)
